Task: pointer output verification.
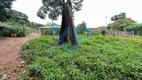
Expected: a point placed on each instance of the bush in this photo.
(137, 28)
(47, 31)
(20, 30)
(98, 58)
(5, 33)
(10, 29)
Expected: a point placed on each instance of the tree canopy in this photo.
(81, 28)
(120, 24)
(7, 14)
(66, 8)
(54, 8)
(17, 16)
(5, 5)
(82, 25)
(119, 16)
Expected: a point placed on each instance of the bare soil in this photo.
(12, 65)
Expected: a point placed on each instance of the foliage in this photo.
(99, 58)
(7, 14)
(120, 24)
(14, 21)
(66, 8)
(19, 31)
(16, 16)
(134, 37)
(137, 28)
(47, 31)
(6, 3)
(5, 6)
(81, 28)
(117, 17)
(54, 8)
(82, 25)
(12, 27)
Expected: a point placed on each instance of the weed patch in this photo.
(98, 58)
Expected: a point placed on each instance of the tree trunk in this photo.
(52, 32)
(68, 31)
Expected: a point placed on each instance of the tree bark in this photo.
(68, 31)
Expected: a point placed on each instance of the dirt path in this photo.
(10, 55)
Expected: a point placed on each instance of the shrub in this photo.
(10, 29)
(137, 28)
(20, 30)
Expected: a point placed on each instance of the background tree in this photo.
(17, 16)
(5, 5)
(66, 9)
(120, 24)
(81, 27)
(119, 16)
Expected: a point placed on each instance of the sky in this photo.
(93, 12)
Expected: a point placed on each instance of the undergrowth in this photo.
(98, 58)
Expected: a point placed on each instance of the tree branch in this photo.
(61, 2)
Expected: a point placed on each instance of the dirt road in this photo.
(10, 50)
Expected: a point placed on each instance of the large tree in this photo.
(66, 8)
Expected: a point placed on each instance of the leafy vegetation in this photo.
(134, 37)
(14, 21)
(54, 8)
(98, 58)
(13, 27)
(137, 28)
(120, 24)
(16, 16)
(81, 28)
(5, 6)
(119, 16)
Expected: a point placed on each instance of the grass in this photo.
(133, 37)
(98, 58)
